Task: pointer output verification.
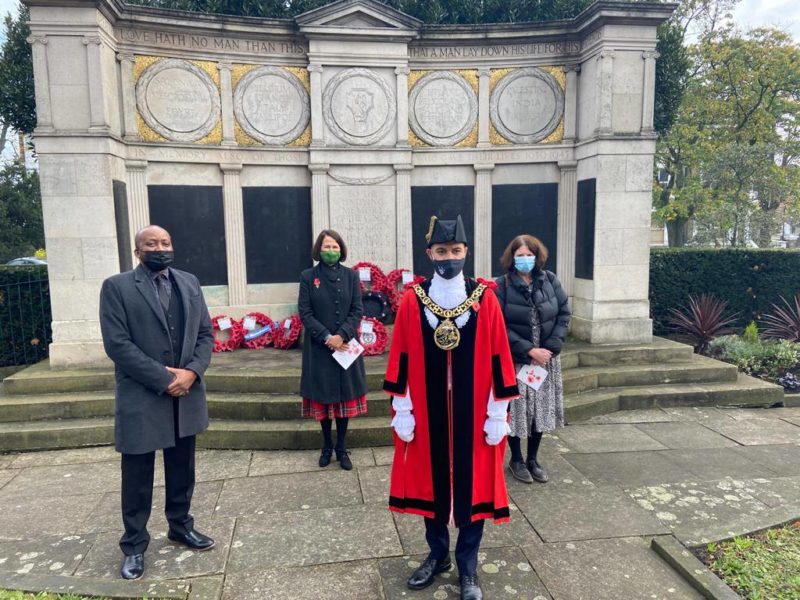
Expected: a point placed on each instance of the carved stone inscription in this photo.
(365, 216)
(527, 105)
(178, 100)
(271, 105)
(359, 106)
(443, 108)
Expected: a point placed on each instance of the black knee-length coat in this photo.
(329, 302)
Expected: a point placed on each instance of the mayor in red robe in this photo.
(450, 405)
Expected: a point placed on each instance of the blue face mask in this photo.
(524, 264)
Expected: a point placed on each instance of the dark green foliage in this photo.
(21, 225)
(783, 322)
(749, 279)
(671, 69)
(24, 315)
(17, 104)
(703, 318)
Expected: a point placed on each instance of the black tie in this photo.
(163, 292)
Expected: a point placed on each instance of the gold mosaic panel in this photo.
(471, 77)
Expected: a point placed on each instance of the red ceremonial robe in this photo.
(448, 472)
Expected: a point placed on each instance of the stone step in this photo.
(56, 434)
(658, 351)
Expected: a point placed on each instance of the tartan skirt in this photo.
(336, 410)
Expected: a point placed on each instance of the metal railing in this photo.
(25, 317)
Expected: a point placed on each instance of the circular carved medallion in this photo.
(527, 105)
(178, 100)
(359, 106)
(442, 108)
(271, 105)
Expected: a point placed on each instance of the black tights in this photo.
(533, 447)
(341, 432)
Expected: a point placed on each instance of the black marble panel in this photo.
(124, 241)
(584, 230)
(277, 233)
(446, 202)
(524, 208)
(195, 218)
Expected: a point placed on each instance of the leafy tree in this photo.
(21, 224)
(17, 104)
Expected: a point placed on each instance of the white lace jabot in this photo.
(447, 293)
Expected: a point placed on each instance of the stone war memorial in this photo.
(244, 137)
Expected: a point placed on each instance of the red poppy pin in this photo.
(316, 282)
(476, 306)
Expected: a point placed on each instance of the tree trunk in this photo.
(678, 232)
(21, 149)
(3, 138)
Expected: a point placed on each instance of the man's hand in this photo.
(184, 379)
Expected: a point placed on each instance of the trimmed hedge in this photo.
(25, 315)
(749, 279)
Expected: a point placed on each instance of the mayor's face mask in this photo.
(449, 267)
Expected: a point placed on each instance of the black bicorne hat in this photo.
(444, 232)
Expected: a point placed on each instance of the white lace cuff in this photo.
(495, 430)
(402, 403)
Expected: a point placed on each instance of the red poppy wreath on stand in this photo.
(395, 286)
(287, 332)
(372, 335)
(262, 322)
(377, 280)
(235, 333)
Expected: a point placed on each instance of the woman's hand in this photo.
(540, 356)
(335, 342)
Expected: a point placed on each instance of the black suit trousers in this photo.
(137, 491)
(469, 541)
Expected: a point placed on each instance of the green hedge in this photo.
(749, 279)
(24, 315)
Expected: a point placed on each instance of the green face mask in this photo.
(330, 257)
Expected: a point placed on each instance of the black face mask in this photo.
(158, 260)
(449, 267)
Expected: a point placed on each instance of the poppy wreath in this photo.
(377, 278)
(379, 338)
(265, 339)
(394, 289)
(376, 306)
(286, 338)
(236, 335)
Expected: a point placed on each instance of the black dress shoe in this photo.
(344, 459)
(193, 539)
(470, 590)
(537, 472)
(325, 457)
(132, 566)
(423, 576)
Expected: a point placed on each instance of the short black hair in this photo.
(318, 245)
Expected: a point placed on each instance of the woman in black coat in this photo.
(537, 318)
(330, 308)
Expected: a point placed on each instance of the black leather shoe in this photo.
(325, 457)
(520, 471)
(193, 539)
(424, 575)
(344, 459)
(132, 566)
(470, 590)
(537, 472)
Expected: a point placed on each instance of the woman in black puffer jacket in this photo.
(537, 318)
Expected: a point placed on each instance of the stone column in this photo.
(226, 93)
(98, 120)
(483, 220)
(571, 103)
(648, 99)
(567, 209)
(234, 233)
(402, 106)
(138, 205)
(129, 128)
(320, 207)
(41, 83)
(317, 127)
(605, 80)
(405, 249)
(483, 108)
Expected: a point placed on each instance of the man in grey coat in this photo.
(157, 330)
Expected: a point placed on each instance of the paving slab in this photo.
(517, 532)
(621, 437)
(568, 513)
(48, 458)
(559, 471)
(685, 508)
(783, 459)
(311, 537)
(742, 414)
(759, 431)
(645, 415)
(688, 435)
(620, 568)
(627, 468)
(553, 443)
(279, 493)
(702, 415)
(23, 516)
(359, 580)
(163, 559)
(67, 480)
(95, 587)
(741, 525)
(716, 463)
(776, 492)
(375, 484)
(6, 460)
(502, 572)
(792, 420)
(383, 455)
(207, 588)
(47, 555)
(7, 475)
(298, 461)
(106, 516)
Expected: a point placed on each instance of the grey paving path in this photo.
(289, 530)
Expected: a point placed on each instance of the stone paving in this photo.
(286, 529)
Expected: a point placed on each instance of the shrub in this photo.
(750, 334)
(784, 322)
(769, 359)
(24, 315)
(702, 320)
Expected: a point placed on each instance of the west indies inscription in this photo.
(526, 105)
(359, 106)
(443, 108)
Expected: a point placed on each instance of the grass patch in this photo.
(763, 566)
